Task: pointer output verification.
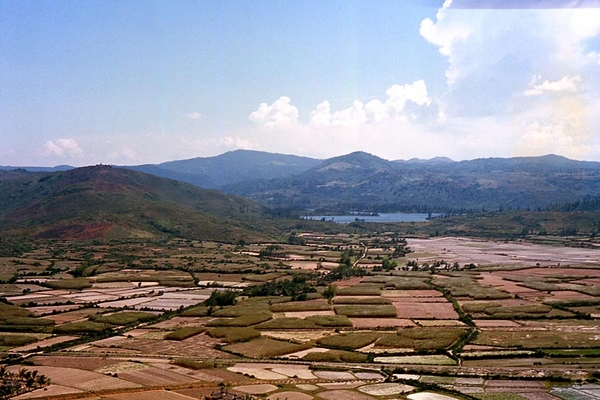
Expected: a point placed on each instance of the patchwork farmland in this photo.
(362, 317)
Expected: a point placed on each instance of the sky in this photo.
(129, 82)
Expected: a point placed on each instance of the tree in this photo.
(330, 292)
(388, 264)
(221, 298)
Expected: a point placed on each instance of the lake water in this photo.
(382, 217)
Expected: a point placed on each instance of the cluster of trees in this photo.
(24, 380)
(221, 298)
(413, 265)
(297, 288)
(272, 251)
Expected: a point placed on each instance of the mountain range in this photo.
(361, 181)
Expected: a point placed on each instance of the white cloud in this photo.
(230, 142)
(280, 114)
(569, 84)
(194, 115)
(62, 147)
(51, 149)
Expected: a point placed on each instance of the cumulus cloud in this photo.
(62, 148)
(567, 83)
(280, 114)
(492, 54)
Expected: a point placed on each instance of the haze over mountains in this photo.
(361, 181)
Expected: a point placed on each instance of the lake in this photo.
(381, 217)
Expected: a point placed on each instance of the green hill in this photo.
(106, 202)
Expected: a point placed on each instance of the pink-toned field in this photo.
(467, 250)
(155, 376)
(369, 323)
(344, 394)
(149, 395)
(413, 308)
(289, 396)
(83, 380)
(45, 343)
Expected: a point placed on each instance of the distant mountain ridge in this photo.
(230, 168)
(362, 181)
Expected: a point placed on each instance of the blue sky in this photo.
(131, 82)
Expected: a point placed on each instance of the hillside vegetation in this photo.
(101, 201)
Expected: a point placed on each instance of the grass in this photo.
(16, 340)
(287, 323)
(359, 290)
(83, 327)
(498, 396)
(265, 348)
(123, 318)
(349, 341)
(336, 356)
(193, 364)
(241, 321)
(8, 311)
(248, 306)
(437, 359)
(361, 300)
(573, 353)
(197, 311)
(69, 284)
(234, 335)
(300, 306)
(534, 340)
(422, 339)
(370, 311)
(520, 309)
(184, 333)
(332, 321)
(479, 307)
(468, 287)
(405, 283)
